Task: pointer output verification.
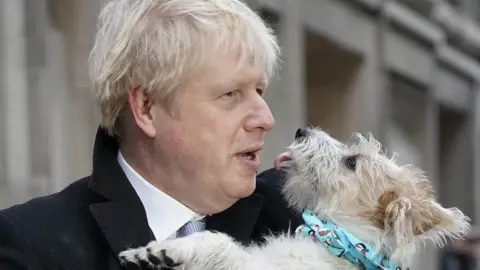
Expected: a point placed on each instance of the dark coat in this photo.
(88, 223)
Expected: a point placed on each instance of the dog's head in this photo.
(357, 185)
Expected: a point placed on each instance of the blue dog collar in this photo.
(343, 244)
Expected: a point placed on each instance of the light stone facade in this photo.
(406, 70)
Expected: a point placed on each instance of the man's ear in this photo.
(406, 217)
(141, 106)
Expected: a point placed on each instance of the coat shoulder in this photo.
(43, 225)
(56, 208)
(271, 181)
(276, 216)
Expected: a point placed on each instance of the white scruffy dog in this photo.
(364, 201)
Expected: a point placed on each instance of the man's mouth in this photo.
(283, 159)
(251, 156)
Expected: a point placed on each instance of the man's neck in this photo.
(161, 176)
(140, 160)
(165, 214)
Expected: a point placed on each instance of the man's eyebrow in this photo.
(263, 82)
(237, 82)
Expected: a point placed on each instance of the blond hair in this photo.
(157, 44)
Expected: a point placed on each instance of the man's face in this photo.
(212, 141)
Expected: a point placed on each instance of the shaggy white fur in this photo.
(355, 185)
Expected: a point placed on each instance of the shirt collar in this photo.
(165, 215)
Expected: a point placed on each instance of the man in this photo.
(462, 255)
(180, 85)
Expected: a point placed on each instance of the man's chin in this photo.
(246, 189)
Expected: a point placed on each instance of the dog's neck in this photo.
(344, 243)
(366, 232)
(359, 228)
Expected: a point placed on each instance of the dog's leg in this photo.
(204, 250)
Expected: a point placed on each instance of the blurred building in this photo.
(406, 70)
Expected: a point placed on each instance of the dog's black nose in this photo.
(301, 133)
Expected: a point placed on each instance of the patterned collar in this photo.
(343, 244)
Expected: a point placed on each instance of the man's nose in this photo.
(261, 118)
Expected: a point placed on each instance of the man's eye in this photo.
(260, 91)
(230, 94)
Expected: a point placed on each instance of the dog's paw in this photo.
(153, 256)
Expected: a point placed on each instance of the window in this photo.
(406, 132)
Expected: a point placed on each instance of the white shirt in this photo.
(165, 215)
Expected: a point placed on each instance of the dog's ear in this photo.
(408, 218)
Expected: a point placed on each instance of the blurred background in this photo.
(406, 70)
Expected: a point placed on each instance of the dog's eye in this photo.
(351, 162)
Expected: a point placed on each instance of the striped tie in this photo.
(191, 227)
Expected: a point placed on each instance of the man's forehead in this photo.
(237, 74)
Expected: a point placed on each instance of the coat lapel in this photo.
(122, 229)
(121, 217)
